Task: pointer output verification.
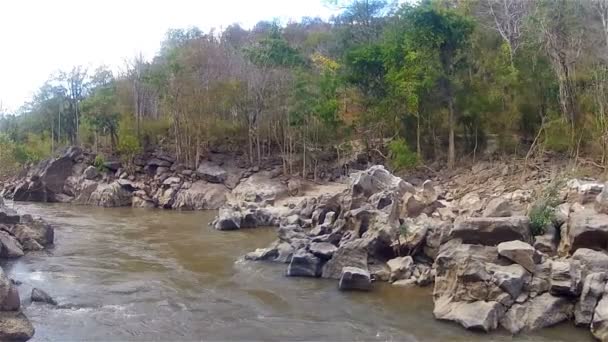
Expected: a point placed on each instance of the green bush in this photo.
(99, 162)
(542, 213)
(400, 155)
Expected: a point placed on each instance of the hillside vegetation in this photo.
(434, 81)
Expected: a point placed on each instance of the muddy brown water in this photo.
(144, 275)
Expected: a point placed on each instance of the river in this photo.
(141, 275)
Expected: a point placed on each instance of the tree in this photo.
(442, 33)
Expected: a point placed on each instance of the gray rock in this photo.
(511, 279)
(588, 229)
(8, 216)
(9, 246)
(349, 254)
(519, 252)
(498, 207)
(323, 250)
(304, 264)
(491, 231)
(12, 302)
(228, 219)
(377, 179)
(14, 326)
(259, 188)
(566, 278)
(593, 289)
(478, 315)
(591, 261)
(201, 196)
(599, 324)
(211, 172)
(42, 297)
(111, 195)
(90, 173)
(400, 268)
(353, 278)
(601, 201)
(262, 254)
(540, 312)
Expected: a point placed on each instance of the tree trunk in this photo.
(451, 148)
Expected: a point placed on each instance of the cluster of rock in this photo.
(19, 234)
(155, 180)
(488, 269)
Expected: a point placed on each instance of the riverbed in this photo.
(139, 275)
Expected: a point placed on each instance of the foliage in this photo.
(128, 145)
(400, 155)
(100, 162)
(542, 213)
(426, 75)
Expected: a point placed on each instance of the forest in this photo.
(433, 81)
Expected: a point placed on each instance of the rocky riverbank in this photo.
(475, 238)
(155, 180)
(504, 246)
(19, 234)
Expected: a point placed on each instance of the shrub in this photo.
(542, 212)
(99, 162)
(400, 155)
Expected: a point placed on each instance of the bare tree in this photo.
(508, 19)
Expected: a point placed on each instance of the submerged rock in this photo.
(39, 295)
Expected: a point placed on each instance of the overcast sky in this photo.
(39, 37)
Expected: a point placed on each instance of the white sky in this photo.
(39, 37)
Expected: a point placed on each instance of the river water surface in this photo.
(142, 275)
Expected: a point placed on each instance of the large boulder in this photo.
(478, 315)
(587, 229)
(498, 207)
(323, 250)
(540, 312)
(593, 289)
(354, 278)
(260, 187)
(212, 172)
(111, 195)
(400, 268)
(201, 196)
(519, 252)
(14, 326)
(377, 179)
(566, 278)
(12, 302)
(350, 254)
(9, 246)
(591, 261)
(33, 235)
(491, 231)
